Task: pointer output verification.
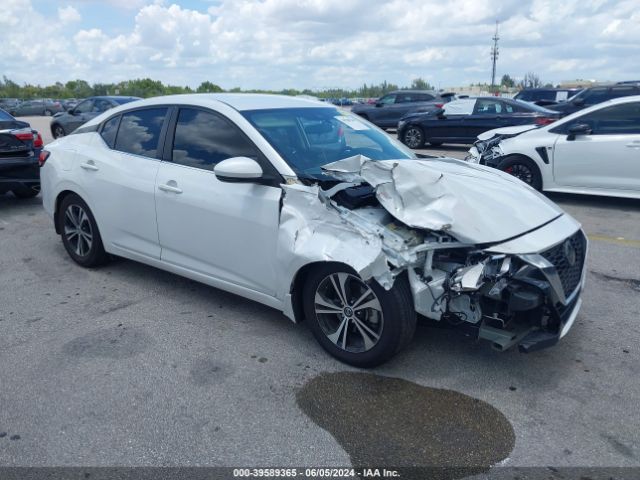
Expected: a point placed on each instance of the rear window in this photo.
(109, 131)
(5, 116)
(139, 131)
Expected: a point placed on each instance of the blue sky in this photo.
(316, 43)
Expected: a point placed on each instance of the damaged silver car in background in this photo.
(316, 212)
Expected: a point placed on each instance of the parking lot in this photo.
(130, 365)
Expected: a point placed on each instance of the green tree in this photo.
(421, 84)
(208, 87)
(507, 81)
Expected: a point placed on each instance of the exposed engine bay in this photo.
(497, 284)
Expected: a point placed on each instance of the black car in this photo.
(389, 109)
(461, 121)
(66, 122)
(546, 96)
(20, 149)
(594, 95)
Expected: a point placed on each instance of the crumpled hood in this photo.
(511, 131)
(475, 204)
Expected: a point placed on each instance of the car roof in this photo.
(430, 92)
(237, 101)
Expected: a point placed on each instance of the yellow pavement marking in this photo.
(615, 240)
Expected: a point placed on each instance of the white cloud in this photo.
(68, 14)
(324, 43)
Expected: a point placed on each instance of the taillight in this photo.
(544, 120)
(24, 134)
(37, 142)
(439, 105)
(43, 157)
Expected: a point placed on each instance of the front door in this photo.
(227, 231)
(608, 157)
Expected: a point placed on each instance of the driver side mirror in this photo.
(578, 129)
(238, 170)
(440, 114)
(578, 102)
(71, 111)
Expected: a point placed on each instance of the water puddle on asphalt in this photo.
(389, 422)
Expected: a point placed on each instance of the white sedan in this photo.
(594, 151)
(315, 212)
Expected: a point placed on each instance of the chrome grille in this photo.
(568, 257)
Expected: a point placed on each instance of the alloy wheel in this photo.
(77, 230)
(521, 172)
(413, 138)
(348, 312)
(58, 131)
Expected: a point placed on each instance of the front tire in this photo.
(522, 168)
(359, 323)
(58, 131)
(413, 137)
(79, 232)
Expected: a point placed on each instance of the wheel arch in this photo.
(528, 158)
(297, 285)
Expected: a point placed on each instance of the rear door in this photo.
(119, 176)
(609, 157)
(223, 230)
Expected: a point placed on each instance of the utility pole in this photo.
(494, 56)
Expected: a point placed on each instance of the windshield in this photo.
(308, 138)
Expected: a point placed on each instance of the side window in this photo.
(202, 139)
(597, 95)
(84, 107)
(101, 105)
(387, 99)
(139, 131)
(487, 107)
(109, 130)
(617, 92)
(508, 108)
(404, 98)
(618, 119)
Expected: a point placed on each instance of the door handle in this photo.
(89, 166)
(170, 188)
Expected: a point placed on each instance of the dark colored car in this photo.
(389, 109)
(67, 122)
(9, 104)
(69, 103)
(20, 149)
(546, 96)
(594, 95)
(38, 106)
(462, 121)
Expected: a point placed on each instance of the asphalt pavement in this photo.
(129, 365)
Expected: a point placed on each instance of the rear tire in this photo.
(522, 168)
(80, 234)
(369, 328)
(413, 137)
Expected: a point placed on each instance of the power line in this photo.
(494, 56)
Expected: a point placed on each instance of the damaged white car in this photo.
(313, 211)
